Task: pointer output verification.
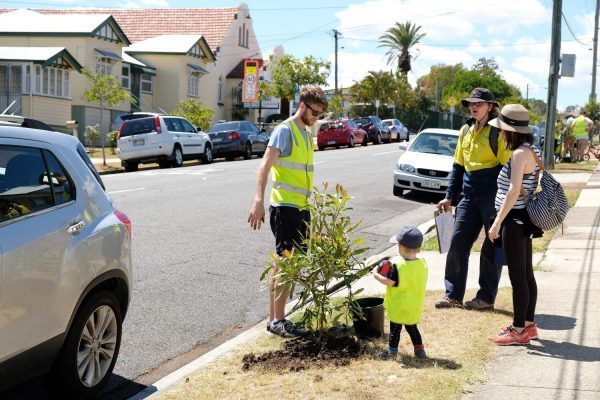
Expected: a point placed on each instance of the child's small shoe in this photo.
(388, 355)
(420, 352)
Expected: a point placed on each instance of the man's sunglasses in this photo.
(315, 113)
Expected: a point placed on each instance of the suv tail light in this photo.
(157, 124)
(233, 136)
(125, 220)
(120, 130)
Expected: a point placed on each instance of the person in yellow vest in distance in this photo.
(580, 127)
(406, 278)
(9, 210)
(289, 158)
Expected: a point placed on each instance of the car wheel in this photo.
(321, 148)
(365, 141)
(207, 157)
(91, 348)
(351, 142)
(586, 157)
(248, 151)
(130, 166)
(398, 191)
(177, 157)
(398, 138)
(378, 139)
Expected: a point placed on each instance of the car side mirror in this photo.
(403, 147)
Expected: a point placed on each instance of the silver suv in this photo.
(65, 265)
(165, 139)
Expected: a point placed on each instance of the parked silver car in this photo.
(65, 265)
(426, 164)
(165, 139)
(397, 130)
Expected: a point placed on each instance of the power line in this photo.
(466, 45)
(572, 33)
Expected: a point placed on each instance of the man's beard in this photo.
(306, 120)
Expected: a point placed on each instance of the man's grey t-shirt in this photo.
(281, 138)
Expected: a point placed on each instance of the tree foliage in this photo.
(331, 255)
(433, 84)
(399, 40)
(384, 86)
(106, 90)
(289, 74)
(336, 106)
(193, 111)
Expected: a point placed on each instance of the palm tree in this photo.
(399, 39)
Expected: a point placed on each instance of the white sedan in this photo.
(426, 163)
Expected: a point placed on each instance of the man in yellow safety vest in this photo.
(289, 156)
(580, 127)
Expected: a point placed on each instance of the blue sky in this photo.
(516, 33)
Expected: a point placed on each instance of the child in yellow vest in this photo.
(405, 277)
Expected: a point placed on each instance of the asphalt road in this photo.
(197, 262)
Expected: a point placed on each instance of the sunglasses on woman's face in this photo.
(314, 112)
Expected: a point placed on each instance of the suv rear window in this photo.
(363, 121)
(138, 126)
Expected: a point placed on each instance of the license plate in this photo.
(138, 142)
(331, 142)
(431, 184)
(216, 140)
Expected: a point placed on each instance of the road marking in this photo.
(320, 162)
(180, 172)
(385, 152)
(126, 190)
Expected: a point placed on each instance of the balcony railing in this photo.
(6, 99)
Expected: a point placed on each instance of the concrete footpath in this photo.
(565, 362)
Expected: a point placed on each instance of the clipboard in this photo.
(444, 226)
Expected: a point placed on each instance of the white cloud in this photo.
(355, 66)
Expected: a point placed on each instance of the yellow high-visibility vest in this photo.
(580, 127)
(293, 175)
(404, 303)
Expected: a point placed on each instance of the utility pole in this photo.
(336, 34)
(595, 57)
(553, 84)
(527, 91)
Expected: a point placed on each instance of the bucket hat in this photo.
(514, 118)
(478, 95)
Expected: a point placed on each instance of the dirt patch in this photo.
(311, 351)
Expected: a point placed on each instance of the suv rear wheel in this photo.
(130, 166)
(91, 348)
(248, 151)
(177, 157)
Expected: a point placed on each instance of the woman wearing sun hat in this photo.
(512, 224)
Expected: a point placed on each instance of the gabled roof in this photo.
(174, 44)
(138, 66)
(141, 24)
(31, 23)
(46, 56)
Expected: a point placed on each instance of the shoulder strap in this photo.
(537, 175)
(494, 140)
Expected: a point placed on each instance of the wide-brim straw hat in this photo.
(479, 95)
(514, 118)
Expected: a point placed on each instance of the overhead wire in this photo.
(573, 33)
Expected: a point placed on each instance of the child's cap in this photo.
(409, 236)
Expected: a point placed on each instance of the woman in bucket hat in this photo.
(474, 173)
(512, 224)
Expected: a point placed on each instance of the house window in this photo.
(220, 91)
(104, 66)
(240, 43)
(244, 35)
(247, 34)
(125, 81)
(193, 84)
(27, 79)
(146, 83)
(51, 81)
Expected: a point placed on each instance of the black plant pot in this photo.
(372, 324)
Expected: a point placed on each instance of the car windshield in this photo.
(387, 123)
(225, 126)
(363, 121)
(435, 143)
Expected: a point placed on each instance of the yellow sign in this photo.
(250, 86)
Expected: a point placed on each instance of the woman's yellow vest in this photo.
(404, 303)
(293, 175)
(580, 127)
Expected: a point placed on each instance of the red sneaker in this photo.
(531, 330)
(509, 337)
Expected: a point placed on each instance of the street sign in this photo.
(377, 103)
(250, 85)
(567, 65)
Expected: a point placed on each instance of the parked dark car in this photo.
(377, 132)
(237, 138)
(340, 132)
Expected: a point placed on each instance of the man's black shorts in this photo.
(289, 225)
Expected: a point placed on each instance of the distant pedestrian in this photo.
(580, 128)
(478, 158)
(512, 224)
(289, 157)
(406, 279)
